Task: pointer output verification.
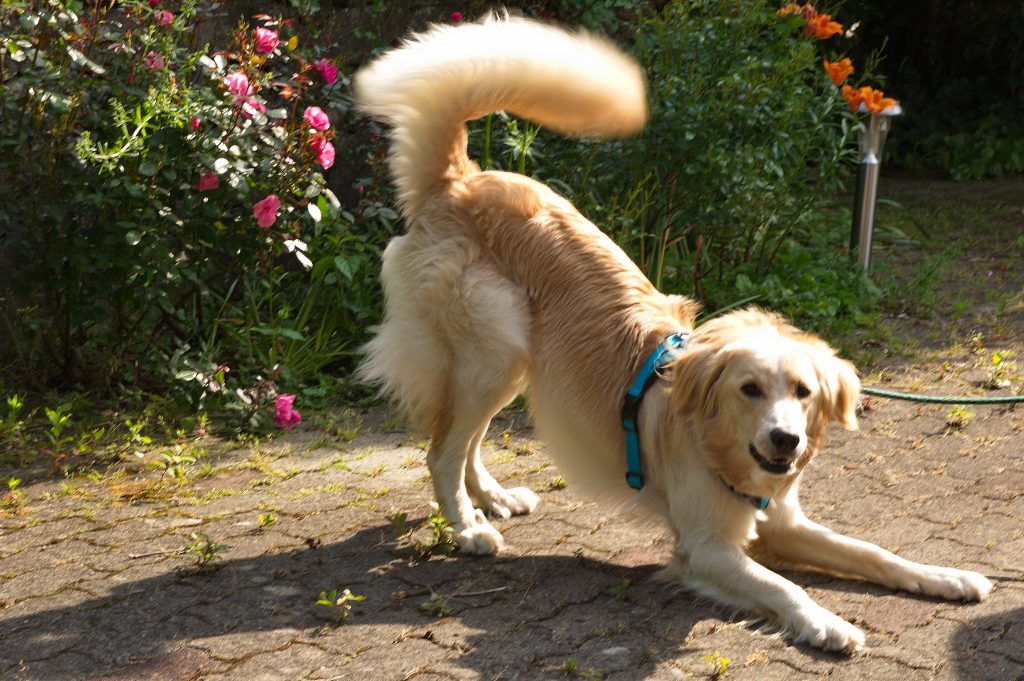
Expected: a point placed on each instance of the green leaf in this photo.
(147, 169)
(345, 266)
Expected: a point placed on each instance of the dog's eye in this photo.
(751, 390)
(802, 391)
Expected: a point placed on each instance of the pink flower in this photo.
(194, 123)
(238, 84)
(164, 18)
(285, 414)
(328, 70)
(154, 60)
(207, 182)
(324, 151)
(266, 40)
(456, 17)
(252, 107)
(265, 211)
(316, 118)
(154, 3)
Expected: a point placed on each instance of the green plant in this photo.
(59, 418)
(441, 538)
(174, 464)
(435, 606)
(339, 604)
(621, 591)
(741, 111)
(13, 498)
(265, 520)
(558, 482)
(174, 189)
(958, 417)
(206, 550)
(719, 665)
(441, 541)
(999, 371)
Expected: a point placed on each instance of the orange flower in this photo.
(822, 27)
(853, 97)
(791, 8)
(838, 71)
(873, 100)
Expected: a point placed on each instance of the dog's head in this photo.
(761, 393)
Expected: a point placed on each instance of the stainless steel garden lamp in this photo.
(871, 141)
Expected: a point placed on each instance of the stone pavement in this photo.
(93, 584)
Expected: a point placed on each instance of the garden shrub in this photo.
(166, 226)
(749, 141)
(167, 214)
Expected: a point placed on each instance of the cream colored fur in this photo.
(500, 284)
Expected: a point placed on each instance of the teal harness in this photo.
(631, 407)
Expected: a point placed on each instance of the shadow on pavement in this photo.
(511, 614)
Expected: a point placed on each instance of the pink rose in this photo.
(164, 18)
(456, 17)
(328, 70)
(154, 60)
(207, 182)
(253, 107)
(265, 211)
(194, 123)
(316, 118)
(285, 414)
(238, 84)
(324, 151)
(266, 40)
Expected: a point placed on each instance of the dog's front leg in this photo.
(722, 570)
(788, 534)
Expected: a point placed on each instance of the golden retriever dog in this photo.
(499, 284)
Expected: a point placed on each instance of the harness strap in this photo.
(631, 405)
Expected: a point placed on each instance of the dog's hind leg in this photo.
(486, 325)
(454, 455)
(488, 493)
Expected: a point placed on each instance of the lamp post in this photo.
(871, 141)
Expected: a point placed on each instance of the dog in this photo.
(499, 284)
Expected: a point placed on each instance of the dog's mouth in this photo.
(779, 466)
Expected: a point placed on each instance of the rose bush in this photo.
(161, 199)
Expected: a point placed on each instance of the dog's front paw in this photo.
(827, 631)
(509, 502)
(479, 538)
(949, 583)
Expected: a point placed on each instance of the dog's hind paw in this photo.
(480, 538)
(506, 503)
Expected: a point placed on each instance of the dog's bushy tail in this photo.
(428, 88)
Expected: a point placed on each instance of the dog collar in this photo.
(760, 503)
(656, 360)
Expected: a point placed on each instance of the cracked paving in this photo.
(91, 594)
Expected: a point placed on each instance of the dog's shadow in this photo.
(522, 616)
(511, 616)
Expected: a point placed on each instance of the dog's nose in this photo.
(785, 443)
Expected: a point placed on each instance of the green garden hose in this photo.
(1002, 399)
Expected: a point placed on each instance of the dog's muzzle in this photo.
(777, 466)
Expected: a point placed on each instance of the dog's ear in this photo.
(695, 374)
(842, 392)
